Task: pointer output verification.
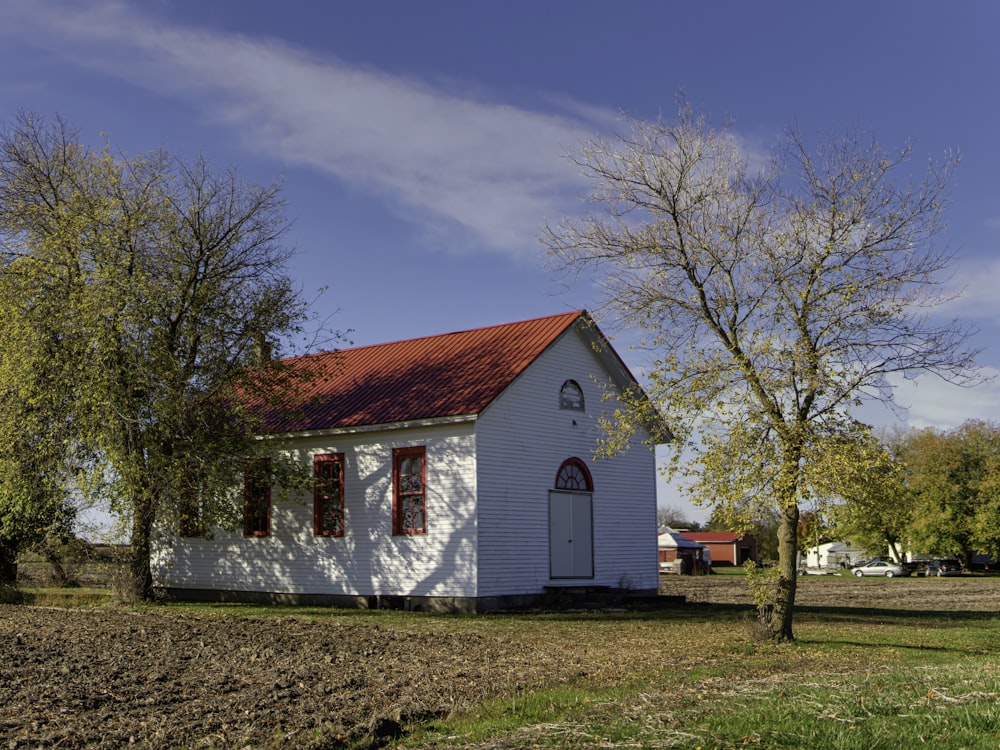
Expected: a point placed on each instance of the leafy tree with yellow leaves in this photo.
(773, 297)
(137, 292)
(863, 481)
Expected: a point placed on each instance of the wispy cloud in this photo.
(486, 171)
(929, 401)
(975, 283)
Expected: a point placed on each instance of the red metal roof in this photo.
(447, 375)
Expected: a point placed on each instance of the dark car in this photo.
(943, 568)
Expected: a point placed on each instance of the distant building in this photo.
(678, 554)
(725, 547)
(834, 555)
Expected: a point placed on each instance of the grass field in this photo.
(698, 680)
(860, 676)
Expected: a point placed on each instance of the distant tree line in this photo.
(919, 491)
(906, 491)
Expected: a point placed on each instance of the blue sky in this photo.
(422, 144)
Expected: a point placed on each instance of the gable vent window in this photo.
(571, 396)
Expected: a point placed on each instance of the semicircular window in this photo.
(574, 475)
(571, 396)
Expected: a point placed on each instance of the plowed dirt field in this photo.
(963, 593)
(112, 678)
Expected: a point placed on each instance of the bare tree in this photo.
(673, 517)
(772, 300)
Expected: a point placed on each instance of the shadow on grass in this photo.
(708, 609)
(695, 613)
(704, 610)
(866, 614)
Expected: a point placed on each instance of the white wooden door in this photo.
(571, 535)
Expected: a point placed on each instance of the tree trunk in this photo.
(894, 552)
(142, 531)
(8, 563)
(788, 549)
(52, 556)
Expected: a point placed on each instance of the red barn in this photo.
(726, 547)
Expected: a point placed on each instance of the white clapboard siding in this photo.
(368, 560)
(522, 439)
(488, 483)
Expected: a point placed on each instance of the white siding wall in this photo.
(368, 560)
(523, 438)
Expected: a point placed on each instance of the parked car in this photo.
(880, 568)
(943, 568)
(914, 567)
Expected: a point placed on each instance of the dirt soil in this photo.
(966, 593)
(114, 677)
(106, 678)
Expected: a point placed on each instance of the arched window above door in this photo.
(573, 475)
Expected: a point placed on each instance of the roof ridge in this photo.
(571, 315)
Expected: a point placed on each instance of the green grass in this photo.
(850, 681)
(694, 677)
(65, 597)
(728, 570)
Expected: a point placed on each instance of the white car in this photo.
(880, 568)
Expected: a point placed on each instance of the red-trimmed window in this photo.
(409, 491)
(574, 475)
(257, 499)
(328, 494)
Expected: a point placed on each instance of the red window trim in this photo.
(398, 505)
(257, 479)
(576, 463)
(320, 498)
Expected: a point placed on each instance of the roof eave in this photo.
(368, 428)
